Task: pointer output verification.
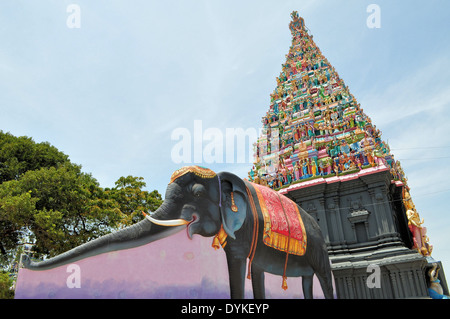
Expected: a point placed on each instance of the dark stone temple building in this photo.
(365, 227)
(320, 149)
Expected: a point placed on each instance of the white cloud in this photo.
(413, 114)
(422, 92)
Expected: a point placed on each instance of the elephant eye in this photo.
(198, 191)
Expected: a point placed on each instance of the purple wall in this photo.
(171, 268)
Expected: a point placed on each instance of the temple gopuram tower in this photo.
(320, 149)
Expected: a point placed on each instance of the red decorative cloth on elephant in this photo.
(283, 225)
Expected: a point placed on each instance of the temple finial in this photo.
(297, 24)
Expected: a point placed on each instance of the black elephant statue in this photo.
(251, 222)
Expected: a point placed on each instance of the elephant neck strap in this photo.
(251, 254)
(284, 284)
(220, 191)
(221, 238)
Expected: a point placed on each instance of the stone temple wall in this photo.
(365, 227)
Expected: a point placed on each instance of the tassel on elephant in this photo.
(229, 208)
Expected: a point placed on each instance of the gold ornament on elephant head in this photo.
(197, 170)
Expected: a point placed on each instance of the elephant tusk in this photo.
(170, 222)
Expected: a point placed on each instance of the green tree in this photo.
(14, 210)
(50, 202)
(132, 199)
(21, 154)
(59, 208)
(5, 286)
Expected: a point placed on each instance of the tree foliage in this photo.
(5, 286)
(21, 154)
(48, 201)
(132, 199)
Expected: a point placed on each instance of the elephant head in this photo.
(206, 201)
(196, 198)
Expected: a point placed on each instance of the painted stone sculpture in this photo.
(435, 289)
(241, 217)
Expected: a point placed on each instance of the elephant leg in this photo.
(259, 291)
(307, 285)
(236, 275)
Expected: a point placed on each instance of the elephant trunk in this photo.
(141, 233)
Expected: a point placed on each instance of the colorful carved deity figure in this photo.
(435, 289)
(345, 148)
(305, 168)
(296, 171)
(370, 157)
(335, 168)
(285, 178)
(289, 176)
(407, 200)
(251, 174)
(419, 233)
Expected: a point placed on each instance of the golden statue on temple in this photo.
(421, 240)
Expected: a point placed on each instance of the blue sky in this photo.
(110, 93)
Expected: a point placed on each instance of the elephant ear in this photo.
(234, 202)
